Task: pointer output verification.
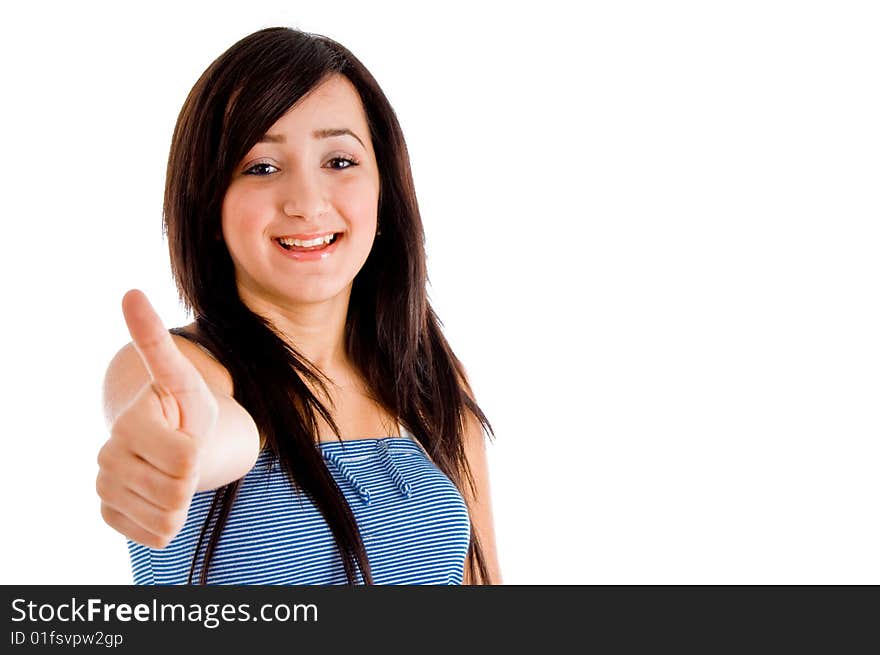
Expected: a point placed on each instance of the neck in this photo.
(316, 330)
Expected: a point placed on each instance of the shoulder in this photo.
(126, 372)
(473, 435)
(476, 487)
(215, 374)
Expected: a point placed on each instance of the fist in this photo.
(149, 467)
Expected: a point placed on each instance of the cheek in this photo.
(242, 214)
(360, 206)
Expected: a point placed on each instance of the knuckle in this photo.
(101, 484)
(160, 543)
(188, 458)
(184, 455)
(151, 539)
(166, 525)
(106, 455)
(179, 494)
(113, 518)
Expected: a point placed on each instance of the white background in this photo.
(652, 232)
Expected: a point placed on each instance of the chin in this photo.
(315, 294)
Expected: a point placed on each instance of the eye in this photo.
(255, 166)
(351, 162)
(253, 170)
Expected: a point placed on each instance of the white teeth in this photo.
(307, 243)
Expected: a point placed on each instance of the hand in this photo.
(149, 467)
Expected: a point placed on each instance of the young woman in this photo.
(311, 425)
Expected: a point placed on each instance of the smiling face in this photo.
(304, 179)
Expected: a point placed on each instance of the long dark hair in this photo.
(392, 333)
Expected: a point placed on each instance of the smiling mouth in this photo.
(296, 245)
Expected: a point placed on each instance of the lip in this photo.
(305, 237)
(310, 256)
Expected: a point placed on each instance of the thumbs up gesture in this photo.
(149, 467)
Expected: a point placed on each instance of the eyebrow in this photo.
(324, 133)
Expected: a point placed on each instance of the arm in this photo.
(235, 442)
(480, 504)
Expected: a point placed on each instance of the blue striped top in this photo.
(413, 521)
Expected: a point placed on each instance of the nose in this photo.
(304, 196)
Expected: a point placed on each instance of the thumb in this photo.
(186, 400)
